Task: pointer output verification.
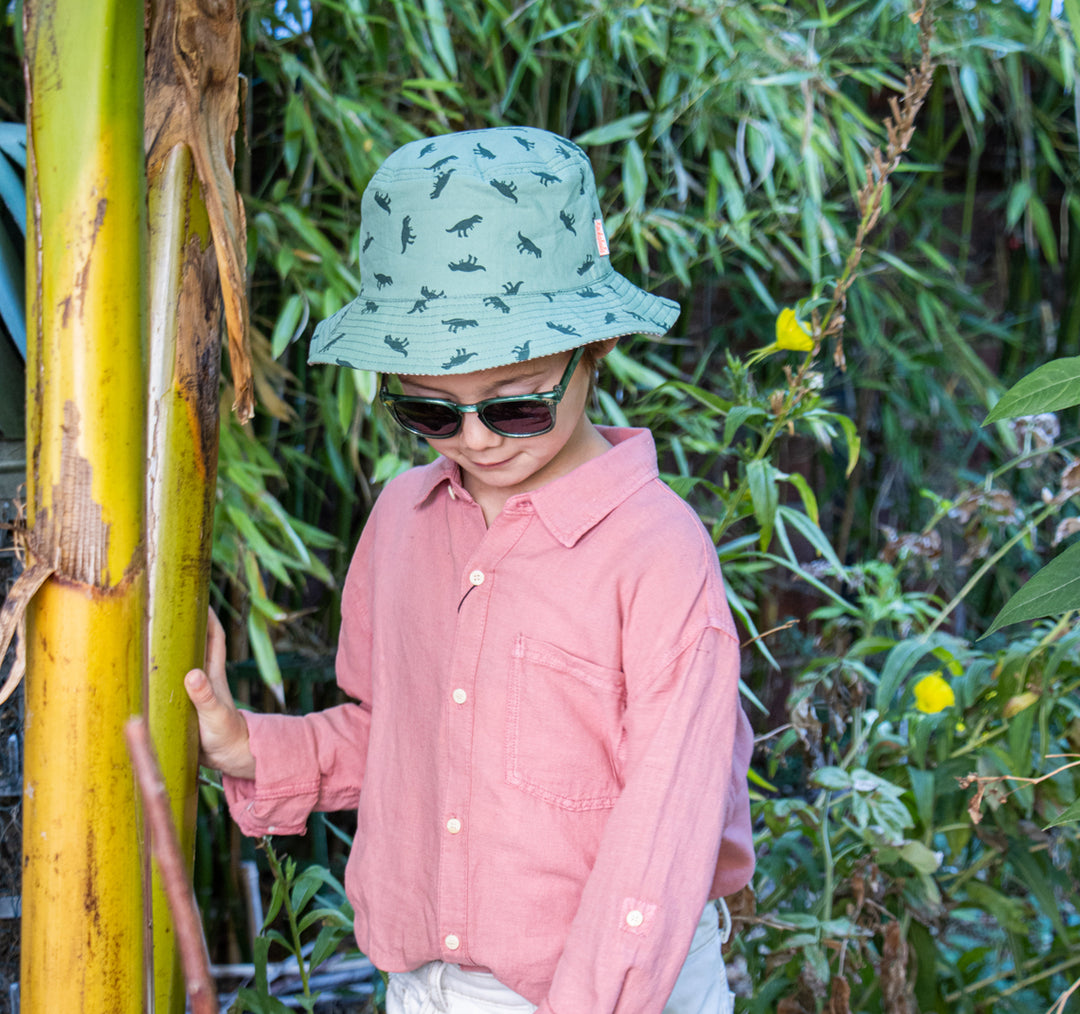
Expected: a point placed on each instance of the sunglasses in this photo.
(516, 415)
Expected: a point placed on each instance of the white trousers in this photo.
(441, 988)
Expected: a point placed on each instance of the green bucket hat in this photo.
(480, 249)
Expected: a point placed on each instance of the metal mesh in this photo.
(11, 714)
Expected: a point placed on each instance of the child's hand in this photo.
(223, 735)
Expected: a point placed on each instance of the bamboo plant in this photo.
(82, 912)
(196, 228)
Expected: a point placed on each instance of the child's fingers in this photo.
(214, 665)
(215, 643)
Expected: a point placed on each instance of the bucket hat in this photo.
(480, 249)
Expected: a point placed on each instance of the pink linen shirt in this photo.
(548, 755)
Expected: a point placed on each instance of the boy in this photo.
(548, 756)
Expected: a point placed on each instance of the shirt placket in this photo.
(477, 584)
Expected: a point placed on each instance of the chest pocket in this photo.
(563, 727)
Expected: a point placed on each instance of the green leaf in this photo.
(969, 83)
(288, 326)
(304, 888)
(618, 130)
(809, 530)
(830, 777)
(761, 478)
(325, 944)
(734, 195)
(1018, 201)
(1044, 229)
(440, 35)
(806, 494)
(635, 177)
(1070, 814)
(922, 788)
(1049, 388)
(277, 897)
(924, 860)
(262, 647)
(898, 663)
(736, 417)
(1053, 590)
(1009, 913)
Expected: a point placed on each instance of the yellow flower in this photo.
(933, 694)
(790, 334)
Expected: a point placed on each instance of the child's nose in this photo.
(475, 435)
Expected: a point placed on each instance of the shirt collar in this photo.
(572, 504)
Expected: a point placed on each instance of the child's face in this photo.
(498, 466)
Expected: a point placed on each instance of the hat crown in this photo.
(479, 249)
(478, 215)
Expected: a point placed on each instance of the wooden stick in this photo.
(165, 847)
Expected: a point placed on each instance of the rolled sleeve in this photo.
(660, 846)
(302, 763)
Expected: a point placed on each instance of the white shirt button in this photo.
(452, 942)
(634, 918)
(453, 825)
(453, 495)
(476, 577)
(459, 696)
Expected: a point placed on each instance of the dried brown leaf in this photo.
(790, 1005)
(839, 996)
(12, 618)
(974, 806)
(895, 995)
(1065, 528)
(192, 98)
(926, 545)
(1070, 477)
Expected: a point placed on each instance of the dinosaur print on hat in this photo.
(494, 224)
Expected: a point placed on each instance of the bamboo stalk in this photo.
(184, 358)
(192, 101)
(82, 913)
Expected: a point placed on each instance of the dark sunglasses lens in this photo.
(426, 419)
(523, 418)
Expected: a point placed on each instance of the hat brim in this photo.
(412, 337)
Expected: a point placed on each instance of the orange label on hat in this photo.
(601, 239)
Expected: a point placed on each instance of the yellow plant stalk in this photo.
(82, 911)
(196, 257)
(183, 423)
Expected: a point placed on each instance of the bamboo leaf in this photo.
(635, 177)
(289, 326)
(440, 35)
(1049, 388)
(1044, 229)
(618, 130)
(262, 647)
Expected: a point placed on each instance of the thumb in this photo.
(200, 690)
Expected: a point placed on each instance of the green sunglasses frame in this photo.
(550, 398)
